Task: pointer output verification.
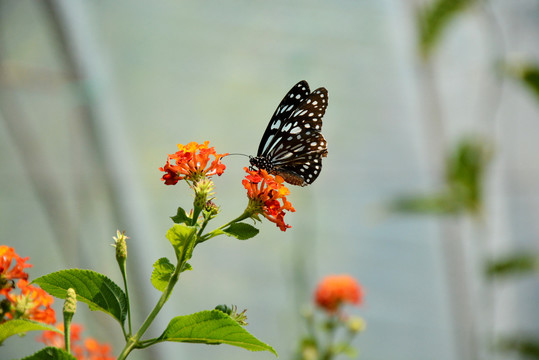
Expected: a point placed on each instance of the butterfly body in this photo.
(292, 145)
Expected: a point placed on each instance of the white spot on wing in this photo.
(295, 130)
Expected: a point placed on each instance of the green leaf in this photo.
(527, 346)
(212, 327)
(162, 270)
(182, 238)
(465, 172)
(21, 326)
(527, 73)
(515, 264)
(51, 353)
(465, 169)
(181, 217)
(434, 18)
(241, 231)
(437, 204)
(346, 349)
(92, 288)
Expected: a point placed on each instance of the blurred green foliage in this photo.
(527, 347)
(465, 169)
(515, 264)
(528, 74)
(434, 18)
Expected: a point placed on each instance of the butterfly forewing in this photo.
(293, 145)
(290, 102)
(298, 134)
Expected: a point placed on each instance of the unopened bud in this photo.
(356, 324)
(121, 246)
(70, 304)
(203, 190)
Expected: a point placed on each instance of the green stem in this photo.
(203, 226)
(329, 353)
(67, 331)
(246, 214)
(124, 276)
(133, 342)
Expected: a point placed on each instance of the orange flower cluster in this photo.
(89, 349)
(190, 163)
(265, 193)
(8, 275)
(335, 290)
(31, 302)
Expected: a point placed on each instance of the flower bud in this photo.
(356, 324)
(211, 209)
(232, 311)
(203, 190)
(121, 247)
(70, 304)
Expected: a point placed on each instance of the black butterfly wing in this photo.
(290, 102)
(298, 146)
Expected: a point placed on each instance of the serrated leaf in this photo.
(241, 231)
(92, 288)
(434, 18)
(212, 327)
(20, 326)
(182, 238)
(181, 217)
(51, 353)
(162, 270)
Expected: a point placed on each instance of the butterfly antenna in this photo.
(236, 154)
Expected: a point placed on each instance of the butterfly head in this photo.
(261, 163)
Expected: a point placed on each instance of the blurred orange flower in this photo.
(89, 349)
(334, 290)
(264, 193)
(7, 273)
(32, 303)
(190, 163)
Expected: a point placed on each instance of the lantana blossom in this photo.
(89, 349)
(191, 162)
(32, 303)
(9, 273)
(334, 290)
(267, 196)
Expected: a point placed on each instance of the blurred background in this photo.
(429, 195)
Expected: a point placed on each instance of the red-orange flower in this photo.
(267, 196)
(89, 349)
(335, 290)
(190, 163)
(7, 273)
(32, 303)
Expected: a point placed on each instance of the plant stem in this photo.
(133, 342)
(67, 331)
(246, 214)
(329, 353)
(124, 276)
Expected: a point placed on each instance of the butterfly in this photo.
(292, 145)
